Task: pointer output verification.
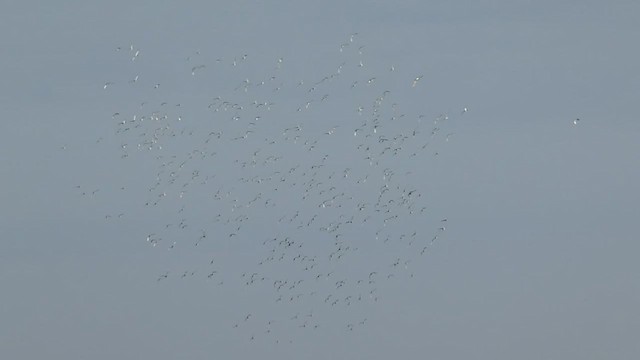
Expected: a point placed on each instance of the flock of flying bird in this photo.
(317, 184)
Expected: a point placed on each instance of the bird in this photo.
(193, 69)
(415, 81)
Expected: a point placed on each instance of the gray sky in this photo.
(536, 258)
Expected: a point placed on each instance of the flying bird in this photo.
(193, 69)
(415, 81)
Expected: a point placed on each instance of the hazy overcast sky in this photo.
(539, 256)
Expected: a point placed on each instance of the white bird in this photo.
(415, 81)
(575, 122)
(333, 129)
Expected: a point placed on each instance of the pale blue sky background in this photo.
(539, 256)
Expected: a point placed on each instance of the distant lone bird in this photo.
(415, 81)
(193, 69)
